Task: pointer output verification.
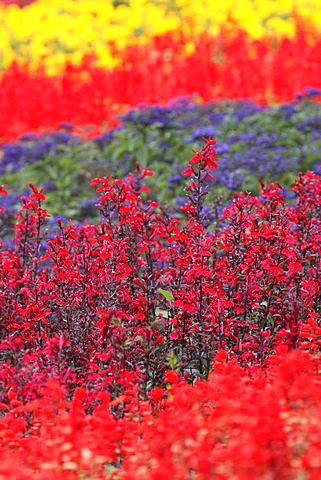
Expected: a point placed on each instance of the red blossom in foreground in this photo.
(232, 426)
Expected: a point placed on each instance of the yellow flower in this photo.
(51, 32)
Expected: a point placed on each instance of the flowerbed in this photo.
(227, 68)
(115, 312)
(254, 52)
(255, 142)
(232, 426)
(167, 326)
(34, 33)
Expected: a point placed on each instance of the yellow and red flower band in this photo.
(84, 61)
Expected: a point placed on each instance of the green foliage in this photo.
(162, 138)
(167, 294)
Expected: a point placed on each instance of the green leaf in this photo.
(158, 311)
(167, 294)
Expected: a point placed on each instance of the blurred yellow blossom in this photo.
(52, 32)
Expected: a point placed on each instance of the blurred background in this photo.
(86, 61)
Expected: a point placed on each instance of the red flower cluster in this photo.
(232, 426)
(103, 327)
(228, 67)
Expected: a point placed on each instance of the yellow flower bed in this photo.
(51, 32)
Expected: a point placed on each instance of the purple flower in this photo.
(174, 178)
(308, 92)
(199, 133)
